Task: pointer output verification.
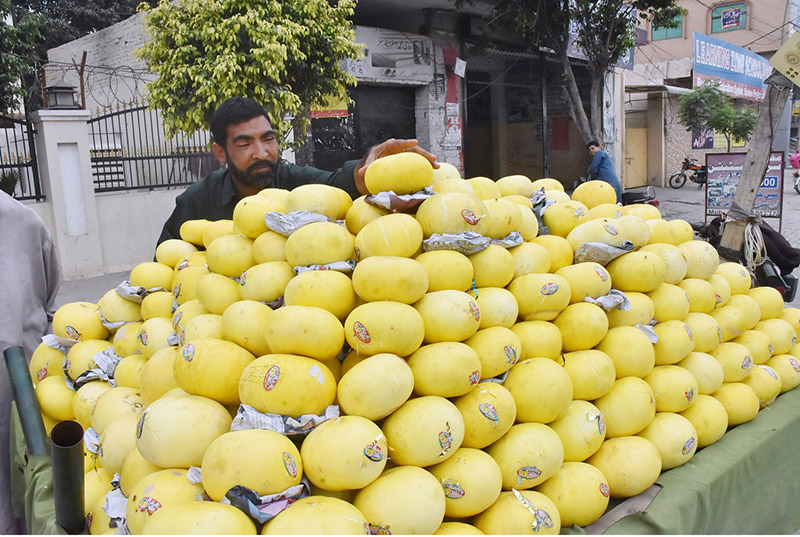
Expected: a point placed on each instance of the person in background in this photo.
(245, 142)
(602, 168)
(29, 277)
(794, 160)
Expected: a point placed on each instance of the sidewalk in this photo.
(687, 203)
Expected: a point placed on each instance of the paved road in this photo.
(688, 203)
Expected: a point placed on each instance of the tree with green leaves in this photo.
(286, 55)
(604, 29)
(708, 107)
(17, 44)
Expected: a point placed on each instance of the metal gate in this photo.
(129, 151)
(18, 158)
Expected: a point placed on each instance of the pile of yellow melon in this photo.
(480, 393)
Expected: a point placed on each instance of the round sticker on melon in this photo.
(454, 491)
(470, 217)
(473, 309)
(549, 288)
(611, 230)
(188, 352)
(289, 464)
(271, 377)
(489, 412)
(72, 332)
(794, 364)
(511, 354)
(361, 332)
(373, 452)
(688, 446)
(689, 332)
(602, 273)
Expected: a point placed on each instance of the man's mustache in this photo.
(258, 167)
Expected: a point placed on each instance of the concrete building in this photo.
(665, 68)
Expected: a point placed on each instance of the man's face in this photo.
(593, 149)
(251, 152)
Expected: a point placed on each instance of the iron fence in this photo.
(129, 151)
(18, 163)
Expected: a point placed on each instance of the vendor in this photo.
(246, 144)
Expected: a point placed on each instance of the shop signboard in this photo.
(739, 72)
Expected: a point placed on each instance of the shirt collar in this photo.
(229, 193)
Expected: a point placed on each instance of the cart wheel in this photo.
(677, 180)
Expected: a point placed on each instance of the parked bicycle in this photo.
(690, 170)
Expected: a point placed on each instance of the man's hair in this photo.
(232, 111)
(593, 142)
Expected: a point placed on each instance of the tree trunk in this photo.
(596, 109)
(576, 110)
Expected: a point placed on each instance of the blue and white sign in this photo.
(740, 73)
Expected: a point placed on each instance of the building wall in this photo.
(121, 77)
(763, 17)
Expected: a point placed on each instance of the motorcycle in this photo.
(690, 170)
(776, 257)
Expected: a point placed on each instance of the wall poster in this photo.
(724, 172)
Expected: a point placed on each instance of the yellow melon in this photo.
(541, 297)
(706, 370)
(579, 490)
(538, 339)
(530, 258)
(628, 407)
(211, 367)
(534, 514)
(287, 384)
(448, 316)
(395, 234)
(375, 387)
(497, 305)
(471, 481)
(244, 323)
(304, 330)
(326, 289)
(387, 501)
(269, 246)
(259, 459)
(317, 515)
(561, 252)
(498, 349)
(447, 269)
(248, 214)
(403, 173)
(592, 373)
(494, 266)
(159, 491)
(739, 400)
(630, 351)
(377, 327)
(583, 325)
(541, 388)
(709, 419)
(673, 387)
(393, 278)
(675, 438)
(630, 463)
(489, 412)
(319, 243)
(424, 431)
(582, 430)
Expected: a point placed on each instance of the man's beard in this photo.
(254, 175)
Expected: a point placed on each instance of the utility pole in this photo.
(755, 164)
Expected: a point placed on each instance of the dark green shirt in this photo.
(214, 196)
